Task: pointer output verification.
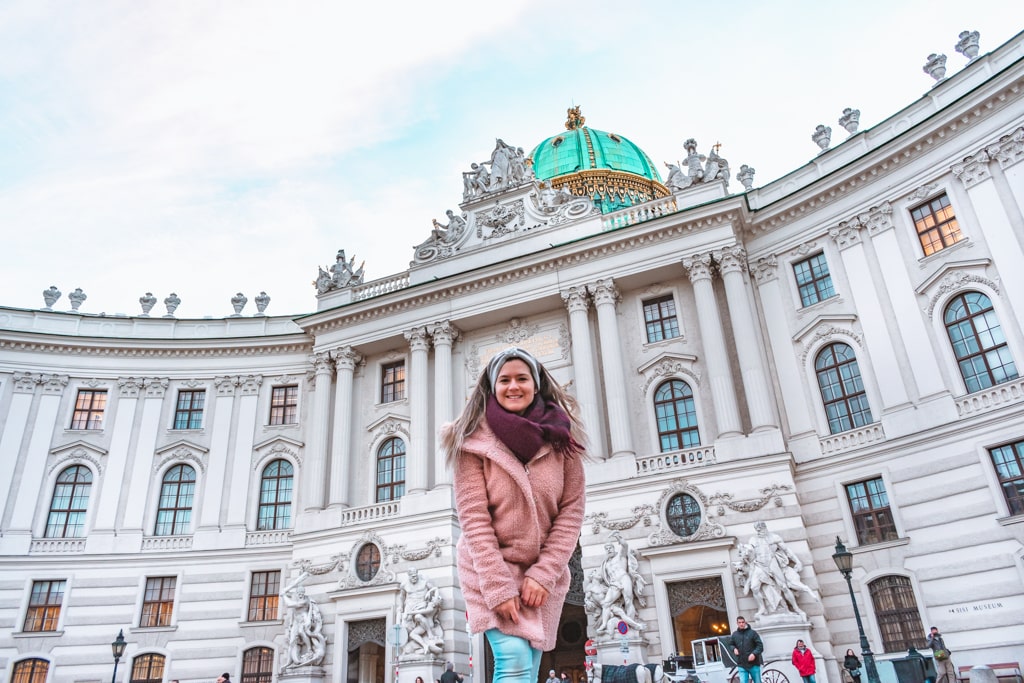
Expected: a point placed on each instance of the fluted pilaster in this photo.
(578, 303)
(417, 458)
(605, 296)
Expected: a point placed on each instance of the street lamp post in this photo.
(117, 647)
(844, 561)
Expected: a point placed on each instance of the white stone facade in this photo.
(571, 287)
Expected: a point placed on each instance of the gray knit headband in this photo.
(513, 353)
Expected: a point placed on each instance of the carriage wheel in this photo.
(773, 676)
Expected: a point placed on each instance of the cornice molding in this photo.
(27, 342)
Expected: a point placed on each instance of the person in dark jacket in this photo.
(852, 665)
(449, 675)
(746, 648)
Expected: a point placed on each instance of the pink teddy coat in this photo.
(517, 521)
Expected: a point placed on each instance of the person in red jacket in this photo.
(520, 494)
(803, 660)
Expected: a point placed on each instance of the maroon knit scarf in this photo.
(543, 423)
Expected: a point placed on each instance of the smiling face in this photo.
(514, 388)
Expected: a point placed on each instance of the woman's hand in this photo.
(509, 610)
(534, 594)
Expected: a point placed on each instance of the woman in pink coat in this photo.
(519, 494)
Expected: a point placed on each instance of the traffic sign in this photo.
(623, 628)
(589, 648)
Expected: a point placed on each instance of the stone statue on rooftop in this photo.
(507, 168)
(341, 275)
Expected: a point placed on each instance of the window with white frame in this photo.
(188, 411)
(275, 510)
(842, 389)
(872, 516)
(177, 491)
(936, 224)
(90, 405)
(676, 415)
(978, 342)
(158, 601)
(660, 318)
(44, 605)
(813, 280)
(390, 470)
(66, 518)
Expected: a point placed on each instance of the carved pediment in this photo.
(77, 453)
(669, 365)
(181, 450)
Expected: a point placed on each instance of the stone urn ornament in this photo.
(238, 302)
(968, 44)
(50, 297)
(172, 302)
(935, 66)
(262, 300)
(77, 298)
(746, 176)
(147, 302)
(822, 136)
(850, 120)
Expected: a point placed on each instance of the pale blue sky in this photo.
(208, 148)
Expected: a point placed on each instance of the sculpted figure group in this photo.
(506, 168)
(697, 168)
(304, 626)
(770, 571)
(342, 274)
(419, 608)
(612, 593)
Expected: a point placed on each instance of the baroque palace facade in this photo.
(835, 354)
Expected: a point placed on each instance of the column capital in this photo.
(444, 332)
(731, 259)
(418, 338)
(129, 387)
(877, 219)
(765, 269)
(1009, 150)
(604, 292)
(698, 267)
(847, 233)
(156, 387)
(973, 169)
(346, 358)
(576, 299)
(321, 362)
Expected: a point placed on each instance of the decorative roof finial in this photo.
(576, 119)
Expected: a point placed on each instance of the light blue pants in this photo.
(809, 679)
(514, 660)
(751, 675)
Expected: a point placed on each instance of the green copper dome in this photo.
(613, 171)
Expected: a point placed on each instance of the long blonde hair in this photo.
(455, 433)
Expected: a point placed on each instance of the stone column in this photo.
(577, 301)
(117, 468)
(153, 390)
(16, 423)
(732, 262)
(868, 304)
(605, 296)
(416, 458)
(790, 377)
(345, 361)
(720, 381)
(316, 457)
(444, 335)
(245, 407)
(28, 489)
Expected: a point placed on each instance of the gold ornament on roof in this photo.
(575, 120)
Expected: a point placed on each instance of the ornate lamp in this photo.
(844, 562)
(117, 647)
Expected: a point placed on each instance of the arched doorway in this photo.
(366, 654)
(698, 611)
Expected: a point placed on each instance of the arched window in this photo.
(70, 500)
(176, 494)
(148, 668)
(842, 390)
(899, 621)
(257, 665)
(390, 470)
(30, 671)
(367, 562)
(978, 342)
(276, 496)
(676, 415)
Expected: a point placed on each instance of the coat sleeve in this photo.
(496, 582)
(565, 529)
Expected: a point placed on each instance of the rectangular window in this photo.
(284, 405)
(1009, 463)
(871, 514)
(263, 595)
(813, 280)
(188, 413)
(392, 382)
(660, 319)
(44, 606)
(158, 601)
(89, 407)
(937, 227)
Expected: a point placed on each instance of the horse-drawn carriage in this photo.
(713, 662)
